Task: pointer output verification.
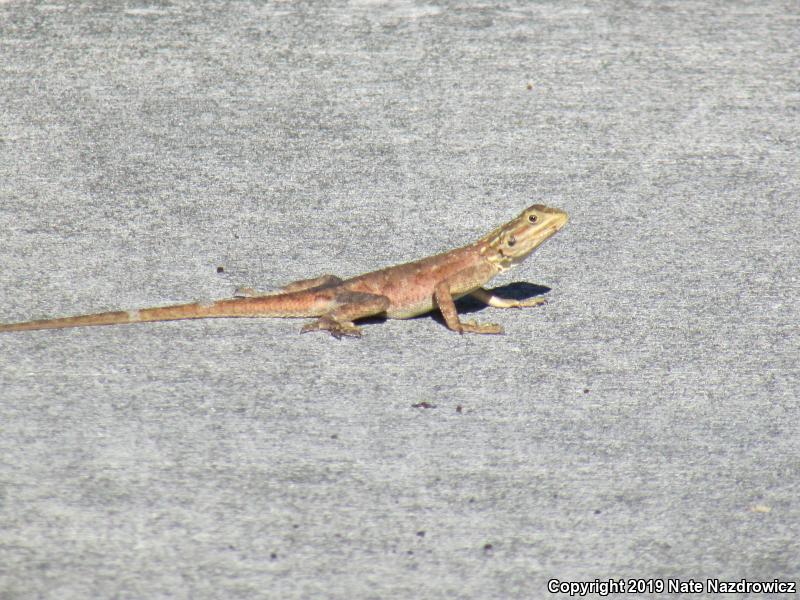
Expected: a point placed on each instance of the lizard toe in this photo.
(244, 292)
(532, 302)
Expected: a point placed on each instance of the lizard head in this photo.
(511, 243)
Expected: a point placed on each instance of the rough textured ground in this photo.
(643, 424)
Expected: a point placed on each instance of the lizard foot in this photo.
(244, 292)
(473, 327)
(337, 329)
(530, 302)
(248, 292)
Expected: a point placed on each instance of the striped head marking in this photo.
(511, 243)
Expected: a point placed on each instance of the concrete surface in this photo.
(644, 424)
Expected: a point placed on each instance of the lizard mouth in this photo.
(528, 241)
(548, 230)
(513, 242)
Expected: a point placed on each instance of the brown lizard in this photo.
(398, 292)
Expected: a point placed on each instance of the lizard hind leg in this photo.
(322, 281)
(349, 307)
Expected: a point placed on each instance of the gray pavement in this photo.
(643, 424)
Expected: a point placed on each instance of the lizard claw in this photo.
(472, 326)
(340, 334)
(531, 302)
(337, 329)
(244, 292)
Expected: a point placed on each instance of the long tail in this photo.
(283, 305)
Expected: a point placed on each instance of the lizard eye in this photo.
(511, 240)
(533, 218)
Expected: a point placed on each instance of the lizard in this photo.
(398, 292)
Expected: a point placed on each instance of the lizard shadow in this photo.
(519, 290)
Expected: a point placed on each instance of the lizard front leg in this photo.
(488, 297)
(296, 286)
(349, 307)
(444, 300)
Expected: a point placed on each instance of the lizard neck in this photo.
(491, 255)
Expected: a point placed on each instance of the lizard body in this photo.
(397, 292)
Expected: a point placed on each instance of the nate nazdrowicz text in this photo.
(604, 587)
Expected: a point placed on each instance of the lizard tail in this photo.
(273, 306)
(165, 313)
(107, 318)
